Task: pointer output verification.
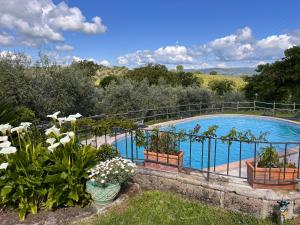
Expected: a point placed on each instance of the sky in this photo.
(194, 33)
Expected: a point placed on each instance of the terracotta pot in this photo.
(271, 178)
(163, 161)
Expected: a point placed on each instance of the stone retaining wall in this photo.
(229, 193)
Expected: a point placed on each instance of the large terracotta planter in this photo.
(272, 178)
(102, 195)
(163, 161)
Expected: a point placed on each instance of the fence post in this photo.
(208, 158)
(254, 105)
(274, 108)
(167, 113)
(294, 107)
(190, 109)
(154, 112)
(222, 110)
(200, 108)
(237, 106)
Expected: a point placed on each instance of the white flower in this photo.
(51, 141)
(65, 140)
(71, 119)
(53, 146)
(53, 130)
(71, 134)
(93, 180)
(77, 115)
(5, 144)
(18, 129)
(61, 120)
(102, 181)
(3, 138)
(54, 115)
(25, 125)
(3, 166)
(8, 150)
(4, 128)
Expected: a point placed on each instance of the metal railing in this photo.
(211, 155)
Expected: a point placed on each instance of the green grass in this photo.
(163, 208)
(239, 82)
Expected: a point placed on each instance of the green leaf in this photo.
(73, 195)
(6, 190)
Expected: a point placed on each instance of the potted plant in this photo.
(107, 177)
(271, 171)
(162, 150)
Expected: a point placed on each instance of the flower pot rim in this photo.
(179, 153)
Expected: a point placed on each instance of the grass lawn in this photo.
(162, 208)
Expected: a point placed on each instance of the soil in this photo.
(63, 216)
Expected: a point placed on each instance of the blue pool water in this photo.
(279, 131)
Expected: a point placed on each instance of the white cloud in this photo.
(38, 22)
(166, 55)
(237, 49)
(64, 47)
(105, 62)
(6, 39)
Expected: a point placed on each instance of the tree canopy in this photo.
(278, 81)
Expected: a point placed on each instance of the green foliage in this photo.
(105, 152)
(156, 73)
(213, 73)
(107, 125)
(108, 80)
(88, 67)
(7, 111)
(268, 158)
(24, 114)
(179, 68)
(278, 81)
(37, 177)
(161, 141)
(221, 86)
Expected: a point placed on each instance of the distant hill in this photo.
(234, 71)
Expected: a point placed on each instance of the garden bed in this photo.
(68, 215)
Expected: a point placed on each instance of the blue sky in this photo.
(197, 34)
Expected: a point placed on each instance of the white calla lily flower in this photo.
(65, 140)
(54, 115)
(77, 115)
(4, 128)
(71, 119)
(51, 141)
(5, 144)
(3, 166)
(53, 130)
(25, 125)
(71, 134)
(53, 146)
(3, 138)
(61, 120)
(8, 150)
(18, 129)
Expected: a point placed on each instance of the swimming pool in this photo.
(197, 158)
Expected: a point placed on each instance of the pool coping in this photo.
(215, 115)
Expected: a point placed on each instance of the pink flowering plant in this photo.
(116, 170)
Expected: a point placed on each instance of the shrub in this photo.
(268, 157)
(221, 86)
(34, 176)
(106, 152)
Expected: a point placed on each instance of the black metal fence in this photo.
(209, 155)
